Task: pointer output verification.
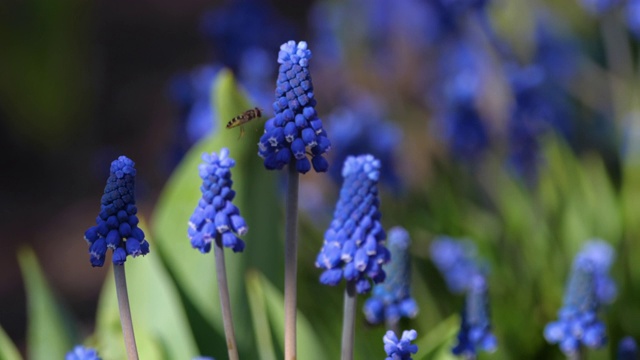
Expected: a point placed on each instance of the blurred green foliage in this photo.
(44, 69)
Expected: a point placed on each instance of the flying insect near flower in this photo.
(244, 118)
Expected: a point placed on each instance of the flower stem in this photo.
(223, 290)
(393, 325)
(349, 321)
(581, 354)
(291, 263)
(125, 312)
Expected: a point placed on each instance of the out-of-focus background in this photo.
(468, 104)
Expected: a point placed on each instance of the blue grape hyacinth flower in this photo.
(391, 300)
(192, 93)
(601, 256)
(353, 246)
(400, 349)
(117, 224)
(628, 349)
(362, 128)
(455, 259)
(216, 217)
(80, 352)
(578, 324)
(475, 329)
(599, 7)
(633, 17)
(295, 131)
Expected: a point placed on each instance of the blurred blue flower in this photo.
(361, 129)
(475, 328)
(633, 17)
(391, 299)
(296, 129)
(537, 110)
(192, 94)
(455, 259)
(216, 217)
(462, 126)
(80, 352)
(628, 349)
(556, 51)
(599, 7)
(256, 75)
(353, 246)
(203, 358)
(601, 255)
(400, 349)
(117, 224)
(578, 324)
(237, 26)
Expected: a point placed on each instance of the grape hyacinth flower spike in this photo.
(117, 224)
(455, 259)
(295, 130)
(400, 349)
(117, 229)
(80, 352)
(217, 221)
(578, 326)
(391, 300)
(353, 246)
(628, 349)
(475, 329)
(293, 133)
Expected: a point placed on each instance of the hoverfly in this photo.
(244, 118)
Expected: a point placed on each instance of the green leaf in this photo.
(274, 300)
(257, 199)
(159, 320)
(49, 331)
(261, 328)
(436, 345)
(8, 350)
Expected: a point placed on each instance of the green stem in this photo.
(223, 290)
(581, 354)
(291, 263)
(349, 321)
(393, 326)
(125, 312)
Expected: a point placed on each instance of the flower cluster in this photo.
(295, 129)
(362, 129)
(117, 224)
(82, 353)
(578, 324)
(601, 256)
(475, 329)
(400, 349)
(392, 299)
(628, 349)
(354, 243)
(599, 7)
(216, 217)
(456, 262)
(192, 92)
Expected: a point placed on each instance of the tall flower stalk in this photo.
(117, 229)
(456, 260)
(216, 222)
(578, 326)
(289, 136)
(353, 246)
(392, 300)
